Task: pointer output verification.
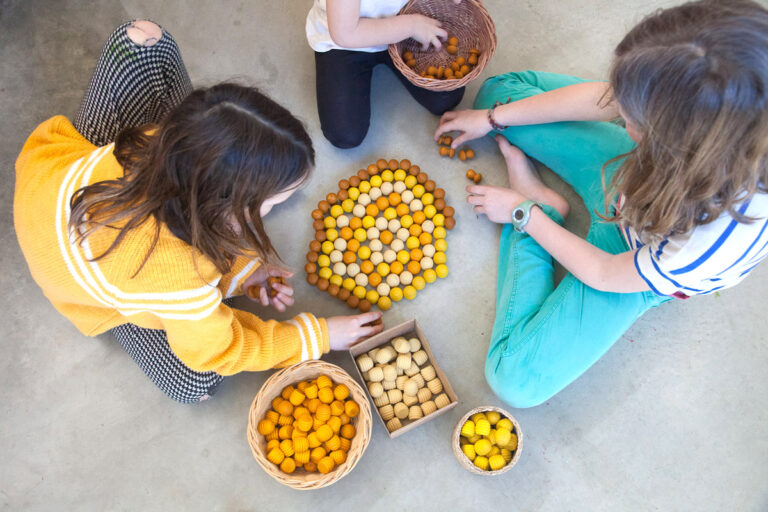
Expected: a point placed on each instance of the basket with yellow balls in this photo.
(487, 441)
(309, 425)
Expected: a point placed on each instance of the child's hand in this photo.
(283, 299)
(343, 331)
(426, 30)
(494, 202)
(472, 123)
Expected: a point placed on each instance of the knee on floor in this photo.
(144, 32)
(345, 139)
(516, 391)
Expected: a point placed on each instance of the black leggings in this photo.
(344, 94)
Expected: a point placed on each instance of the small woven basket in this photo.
(465, 462)
(301, 480)
(469, 21)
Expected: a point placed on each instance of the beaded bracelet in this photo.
(496, 126)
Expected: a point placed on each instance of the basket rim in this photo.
(270, 390)
(468, 464)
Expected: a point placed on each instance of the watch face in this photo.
(518, 214)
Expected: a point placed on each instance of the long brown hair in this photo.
(694, 80)
(213, 159)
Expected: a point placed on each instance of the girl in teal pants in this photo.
(688, 203)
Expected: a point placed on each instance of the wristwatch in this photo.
(522, 214)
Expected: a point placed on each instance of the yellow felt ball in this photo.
(384, 303)
(430, 210)
(368, 222)
(364, 187)
(376, 181)
(286, 446)
(410, 181)
(396, 294)
(354, 193)
(409, 292)
(312, 440)
(503, 436)
(412, 242)
(336, 210)
(327, 247)
(359, 292)
(372, 296)
(439, 232)
(325, 273)
(332, 234)
(419, 283)
(304, 423)
(496, 462)
(360, 235)
(478, 416)
(441, 270)
(349, 284)
(400, 175)
(482, 447)
(336, 279)
(323, 261)
(430, 275)
(481, 462)
(482, 427)
(324, 433)
(469, 451)
(382, 269)
(390, 213)
(275, 456)
(403, 257)
(406, 221)
(493, 417)
(265, 427)
(428, 200)
(505, 423)
(325, 465)
(418, 191)
(506, 454)
(441, 245)
(317, 453)
(439, 219)
(325, 395)
(468, 428)
(495, 450)
(512, 445)
(364, 252)
(387, 175)
(296, 397)
(329, 222)
(347, 205)
(439, 257)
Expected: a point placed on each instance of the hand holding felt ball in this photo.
(267, 284)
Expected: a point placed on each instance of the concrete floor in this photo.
(672, 418)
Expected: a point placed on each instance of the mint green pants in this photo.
(545, 337)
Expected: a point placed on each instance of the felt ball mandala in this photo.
(381, 237)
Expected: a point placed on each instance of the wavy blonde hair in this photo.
(693, 79)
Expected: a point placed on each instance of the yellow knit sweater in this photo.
(178, 290)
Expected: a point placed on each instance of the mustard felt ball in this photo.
(482, 427)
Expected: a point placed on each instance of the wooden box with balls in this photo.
(402, 377)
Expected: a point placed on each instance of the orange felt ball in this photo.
(386, 237)
(402, 209)
(414, 267)
(349, 257)
(372, 210)
(394, 199)
(382, 203)
(375, 279)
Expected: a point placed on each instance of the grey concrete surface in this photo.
(672, 418)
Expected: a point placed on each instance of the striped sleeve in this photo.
(231, 284)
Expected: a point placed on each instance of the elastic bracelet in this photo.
(496, 126)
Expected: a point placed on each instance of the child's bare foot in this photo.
(524, 179)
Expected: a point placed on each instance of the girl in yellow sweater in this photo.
(147, 235)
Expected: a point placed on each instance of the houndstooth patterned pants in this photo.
(131, 86)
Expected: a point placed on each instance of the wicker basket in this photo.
(469, 21)
(465, 462)
(263, 402)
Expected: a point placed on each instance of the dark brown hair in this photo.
(215, 158)
(694, 80)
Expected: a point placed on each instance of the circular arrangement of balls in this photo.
(401, 382)
(381, 237)
(488, 440)
(310, 426)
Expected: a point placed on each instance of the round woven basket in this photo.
(263, 402)
(469, 21)
(465, 462)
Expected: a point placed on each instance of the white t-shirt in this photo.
(708, 258)
(319, 36)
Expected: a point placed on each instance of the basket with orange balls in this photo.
(487, 441)
(309, 425)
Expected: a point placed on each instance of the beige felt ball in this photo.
(442, 400)
(428, 226)
(393, 225)
(407, 197)
(401, 410)
(403, 234)
(353, 269)
(388, 384)
(376, 374)
(387, 412)
(387, 188)
(399, 187)
(381, 223)
(423, 395)
(426, 263)
(342, 221)
(372, 233)
(406, 277)
(413, 370)
(375, 193)
(372, 353)
(336, 256)
(411, 387)
(375, 389)
(381, 400)
(397, 245)
(415, 344)
(400, 381)
(360, 279)
(340, 269)
(389, 257)
(435, 386)
(428, 372)
(359, 210)
(383, 290)
(415, 412)
(340, 244)
(385, 355)
(393, 280)
(420, 357)
(418, 379)
(428, 250)
(364, 362)
(376, 257)
(410, 400)
(404, 361)
(416, 205)
(401, 345)
(395, 396)
(364, 199)
(394, 424)
(390, 373)
(428, 407)
(376, 246)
